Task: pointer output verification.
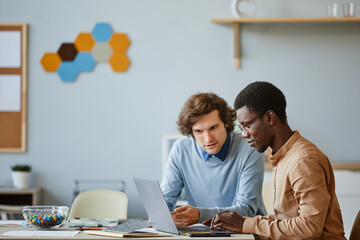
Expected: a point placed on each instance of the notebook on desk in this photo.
(158, 211)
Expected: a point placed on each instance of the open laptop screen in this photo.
(155, 205)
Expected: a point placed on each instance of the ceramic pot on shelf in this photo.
(21, 175)
(20, 179)
(242, 8)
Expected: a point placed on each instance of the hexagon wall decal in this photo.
(50, 62)
(99, 45)
(102, 32)
(84, 42)
(84, 62)
(67, 51)
(68, 71)
(102, 52)
(119, 42)
(119, 62)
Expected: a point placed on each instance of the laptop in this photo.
(158, 211)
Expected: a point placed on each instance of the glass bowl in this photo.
(45, 217)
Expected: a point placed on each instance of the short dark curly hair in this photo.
(260, 97)
(201, 104)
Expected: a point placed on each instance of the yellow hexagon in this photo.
(84, 42)
(119, 62)
(51, 62)
(119, 42)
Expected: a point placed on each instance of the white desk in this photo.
(83, 236)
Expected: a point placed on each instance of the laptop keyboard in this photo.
(194, 229)
(129, 226)
(201, 228)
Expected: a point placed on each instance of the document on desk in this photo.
(141, 233)
(40, 233)
(93, 222)
(10, 223)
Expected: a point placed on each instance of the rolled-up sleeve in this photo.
(308, 182)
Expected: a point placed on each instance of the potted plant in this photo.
(21, 175)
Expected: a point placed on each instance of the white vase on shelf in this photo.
(242, 8)
(20, 179)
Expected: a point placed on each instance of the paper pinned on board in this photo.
(10, 93)
(10, 49)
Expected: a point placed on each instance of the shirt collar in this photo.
(274, 159)
(221, 154)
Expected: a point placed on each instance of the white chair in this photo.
(268, 197)
(100, 204)
(10, 210)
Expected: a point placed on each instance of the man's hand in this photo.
(226, 220)
(185, 216)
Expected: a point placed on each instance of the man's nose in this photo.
(245, 134)
(208, 137)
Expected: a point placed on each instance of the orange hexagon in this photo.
(84, 42)
(119, 62)
(119, 42)
(51, 62)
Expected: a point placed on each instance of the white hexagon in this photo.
(101, 52)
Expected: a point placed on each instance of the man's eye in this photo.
(198, 131)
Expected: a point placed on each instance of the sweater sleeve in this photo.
(172, 182)
(308, 182)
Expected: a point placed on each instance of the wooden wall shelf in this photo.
(237, 21)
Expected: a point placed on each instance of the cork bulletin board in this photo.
(13, 87)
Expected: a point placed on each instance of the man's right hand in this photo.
(185, 216)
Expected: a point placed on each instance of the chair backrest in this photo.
(89, 184)
(268, 197)
(355, 231)
(100, 204)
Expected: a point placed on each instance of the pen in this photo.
(187, 234)
(214, 234)
(88, 228)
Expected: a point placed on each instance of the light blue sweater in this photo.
(216, 186)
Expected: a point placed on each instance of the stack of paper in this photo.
(93, 222)
(141, 233)
(40, 233)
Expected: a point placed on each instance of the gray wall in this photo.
(109, 125)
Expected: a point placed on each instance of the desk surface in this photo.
(83, 236)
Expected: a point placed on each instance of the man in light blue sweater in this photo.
(215, 165)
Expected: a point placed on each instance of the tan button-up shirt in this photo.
(305, 203)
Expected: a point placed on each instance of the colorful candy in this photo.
(45, 221)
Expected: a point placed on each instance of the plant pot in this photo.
(20, 179)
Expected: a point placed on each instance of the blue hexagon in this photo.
(84, 62)
(102, 32)
(68, 71)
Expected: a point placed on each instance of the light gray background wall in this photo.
(109, 125)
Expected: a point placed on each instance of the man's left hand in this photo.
(227, 220)
(185, 216)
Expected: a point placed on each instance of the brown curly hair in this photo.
(201, 104)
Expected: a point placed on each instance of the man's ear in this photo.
(270, 117)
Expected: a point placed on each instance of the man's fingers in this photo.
(212, 222)
(219, 225)
(180, 209)
(207, 222)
